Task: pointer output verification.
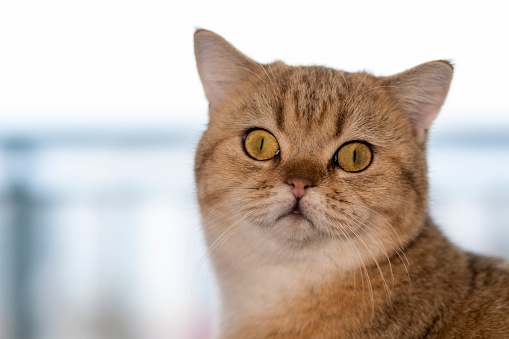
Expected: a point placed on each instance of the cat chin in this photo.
(295, 228)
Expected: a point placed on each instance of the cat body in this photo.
(312, 184)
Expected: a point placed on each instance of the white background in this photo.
(131, 62)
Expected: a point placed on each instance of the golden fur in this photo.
(363, 259)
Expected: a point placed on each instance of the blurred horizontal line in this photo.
(471, 137)
(190, 133)
(101, 136)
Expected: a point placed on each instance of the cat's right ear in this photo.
(222, 68)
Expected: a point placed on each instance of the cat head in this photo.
(310, 153)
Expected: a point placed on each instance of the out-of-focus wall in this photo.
(469, 193)
(100, 238)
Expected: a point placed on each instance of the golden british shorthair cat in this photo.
(313, 189)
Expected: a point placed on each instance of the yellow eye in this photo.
(261, 145)
(353, 156)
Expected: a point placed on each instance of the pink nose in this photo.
(299, 186)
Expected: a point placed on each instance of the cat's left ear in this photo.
(420, 92)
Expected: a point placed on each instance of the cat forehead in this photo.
(315, 100)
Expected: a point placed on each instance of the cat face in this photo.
(312, 154)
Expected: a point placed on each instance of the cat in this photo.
(312, 186)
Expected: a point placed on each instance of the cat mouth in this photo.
(294, 212)
(296, 209)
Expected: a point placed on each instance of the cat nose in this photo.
(299, 186)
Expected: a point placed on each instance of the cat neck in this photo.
(263, 298)
(256, 272)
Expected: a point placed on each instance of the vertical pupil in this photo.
(261, 144)
(354, 155)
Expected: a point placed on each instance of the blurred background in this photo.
(100, 111)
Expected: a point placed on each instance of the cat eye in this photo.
(353, 156)
(261, 144)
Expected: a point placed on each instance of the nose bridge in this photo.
(304, 169)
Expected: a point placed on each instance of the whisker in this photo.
(368, 280)
(273, 76)
(346, 83)
(370, 89)
(397, 249)
(401, 247)
(388, 260)
(250, 71)
(270, 80)
(384, 282)
(359, 85)
(209, 250)
(349, 240)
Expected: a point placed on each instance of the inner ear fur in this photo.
(222, 68)
(421, 91)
